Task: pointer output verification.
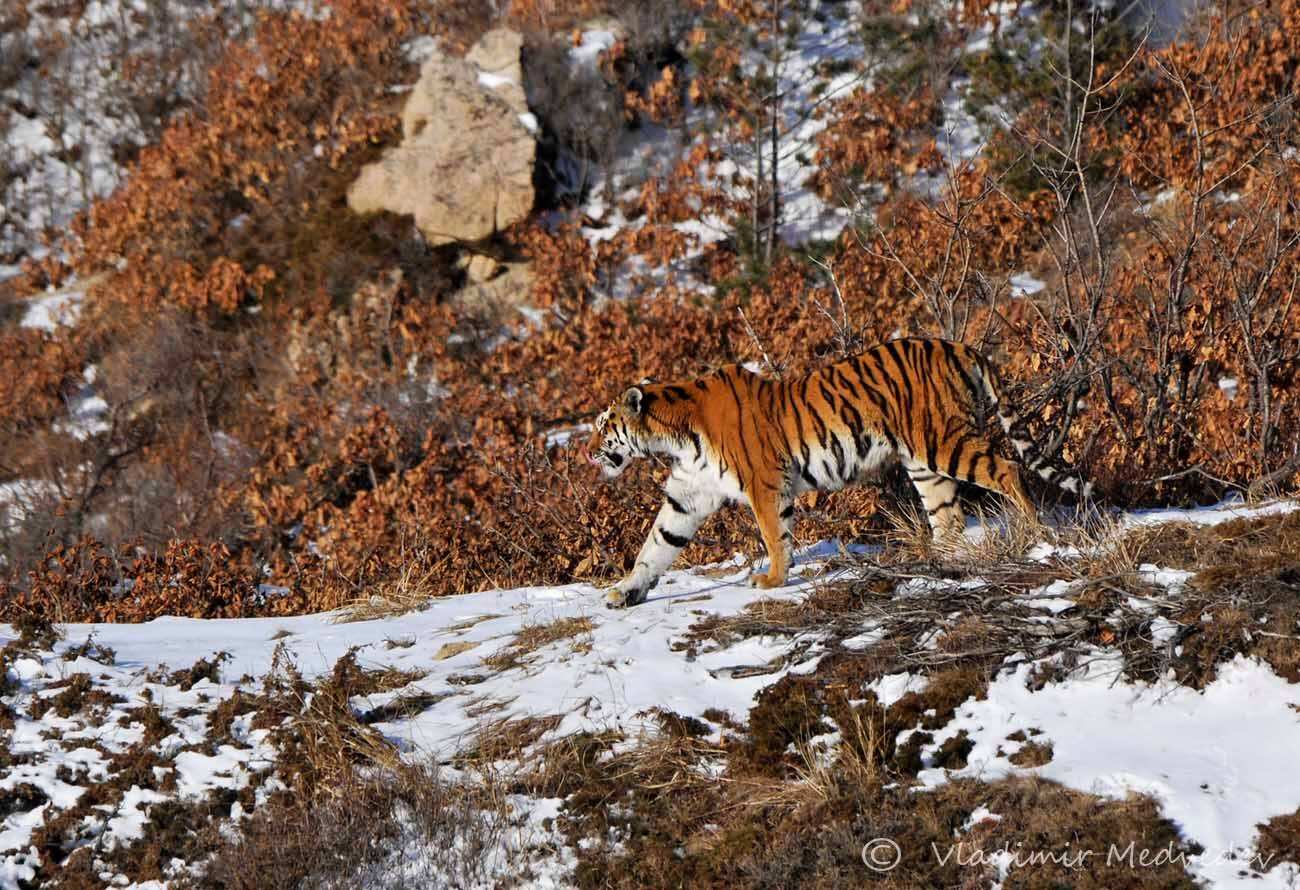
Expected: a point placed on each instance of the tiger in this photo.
(733, 435)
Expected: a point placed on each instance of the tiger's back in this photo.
(734, 435)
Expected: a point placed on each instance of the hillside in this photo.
(1076, 700)
(306, 310)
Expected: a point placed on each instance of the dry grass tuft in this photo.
(500, 740)
(1033, 754)
(534, 636)
(401, 826)
(414, 585)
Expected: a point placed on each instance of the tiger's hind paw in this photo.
(765, 581)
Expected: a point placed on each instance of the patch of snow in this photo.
(1173, 579)
(980, 814)
(492, 81)
(1212, 759)
(864, 640)
(593, 43)
(558, 438)
(420, 49)
(1023, 285)
(1225, 511)
(47, 313)
(1052, 597)
(891, 687)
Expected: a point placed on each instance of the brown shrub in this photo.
(434, 831)
(1279, 839)
(359, 412)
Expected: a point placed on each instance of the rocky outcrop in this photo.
(464, 168)
(493, 284)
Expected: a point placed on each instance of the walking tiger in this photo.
(734, 435)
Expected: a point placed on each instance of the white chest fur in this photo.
(702, 476)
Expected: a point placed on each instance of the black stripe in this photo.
(864, 370)
(841, 372)
(673, 540)
(805, 453)
(954, 459)
(740, 426)
(854, 422)
(677, 508)
(944, 506)
(818, 424)
(788, 511)
(894, 385)
(838, 450)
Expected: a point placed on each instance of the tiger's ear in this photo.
(632, 399)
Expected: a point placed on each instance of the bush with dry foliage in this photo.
(297, 398)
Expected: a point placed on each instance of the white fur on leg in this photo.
(680, 516)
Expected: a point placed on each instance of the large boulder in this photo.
(464, 168)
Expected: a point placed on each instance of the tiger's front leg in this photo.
(681, 515)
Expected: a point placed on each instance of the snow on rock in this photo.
(593, 43)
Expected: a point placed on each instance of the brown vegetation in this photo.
(301, 415)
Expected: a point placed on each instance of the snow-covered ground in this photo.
(1214, 760)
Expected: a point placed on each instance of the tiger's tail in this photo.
(1029, 451)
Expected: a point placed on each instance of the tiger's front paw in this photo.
(620, 598)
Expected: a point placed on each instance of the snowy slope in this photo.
(1211, 759)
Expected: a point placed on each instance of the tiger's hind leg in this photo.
(970, 458)
(939, 497)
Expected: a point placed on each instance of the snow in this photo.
(626, 665)
(980, 814)
(47, 313)
(1025, 285)
(492, 81)
(86, 410)
(1225, 511)
(1173, 579)
(1217, 761)
(1052, 597)
(560, 437)
(593, 43)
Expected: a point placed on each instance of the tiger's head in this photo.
(623, 431)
